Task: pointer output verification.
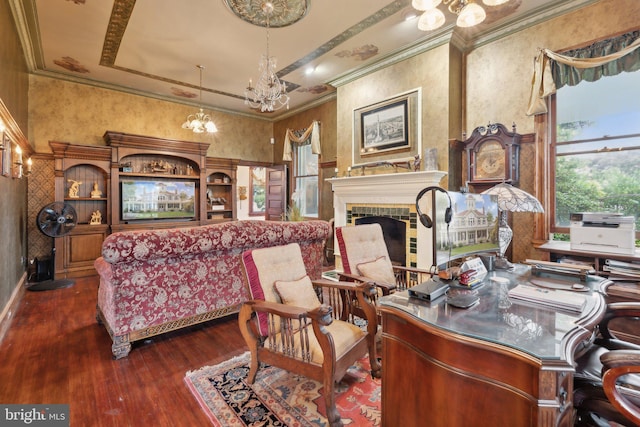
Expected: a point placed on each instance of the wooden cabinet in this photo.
(221, 189)
(82, 180)
(156, 183)
(620, 291)
(136, 182)
(491, 364)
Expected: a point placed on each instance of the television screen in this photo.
(141, 199)
(473, 228)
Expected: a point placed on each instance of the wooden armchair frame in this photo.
(287, 342)
(598, 386)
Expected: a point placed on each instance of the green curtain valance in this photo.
(604, 58)
(566, 74)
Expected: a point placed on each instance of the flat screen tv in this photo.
(157, 199)
(473, 228)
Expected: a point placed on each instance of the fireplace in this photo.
(394, 232)
(392, 196)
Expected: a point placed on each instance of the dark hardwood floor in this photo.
(55, 352)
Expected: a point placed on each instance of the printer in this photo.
(603, 232)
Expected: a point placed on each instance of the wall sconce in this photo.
(2, 129)
(17, 163)
(29, 165)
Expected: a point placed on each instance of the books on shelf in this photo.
(566, 300)
(621, 268)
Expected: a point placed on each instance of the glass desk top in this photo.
(526, 326)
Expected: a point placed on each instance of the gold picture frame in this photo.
(388, 130)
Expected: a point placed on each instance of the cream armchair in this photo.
(304, 326)
(365, 258)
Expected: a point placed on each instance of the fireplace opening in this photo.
(395, 236)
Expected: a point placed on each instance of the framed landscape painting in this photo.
(387, 130)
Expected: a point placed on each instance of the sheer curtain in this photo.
(604, 58)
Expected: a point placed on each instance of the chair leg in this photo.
(376, 366)
(244, 317)
(333, 416)
(253, 366)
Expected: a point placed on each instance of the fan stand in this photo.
(51, 284)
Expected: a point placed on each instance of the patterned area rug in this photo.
(280, 398)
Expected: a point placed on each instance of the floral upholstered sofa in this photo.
(155, 281)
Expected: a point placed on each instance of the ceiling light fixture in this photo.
(269, 93)
(200, 122)
(469, 13)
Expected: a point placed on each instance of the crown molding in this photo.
(450, 35)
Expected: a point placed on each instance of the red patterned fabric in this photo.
(151, 277)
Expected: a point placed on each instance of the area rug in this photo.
(280, 398)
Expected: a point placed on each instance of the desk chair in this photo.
(607, 378)
(304, 326)
(365, 258)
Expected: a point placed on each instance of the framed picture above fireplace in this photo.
(388, 130)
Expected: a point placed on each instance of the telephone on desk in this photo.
(458, 284)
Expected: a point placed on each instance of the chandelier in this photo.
(200, 122)
(469, 13)
(269, 93)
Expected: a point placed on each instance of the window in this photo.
(305, 171)
(596, 149)
(257, 191)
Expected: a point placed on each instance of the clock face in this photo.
(490, 161)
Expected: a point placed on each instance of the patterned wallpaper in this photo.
(40, 192)
(80, 114)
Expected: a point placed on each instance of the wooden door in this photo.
(276, 193)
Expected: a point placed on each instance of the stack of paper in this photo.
(555, 298)
(627, 269)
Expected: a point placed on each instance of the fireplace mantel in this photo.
(384, 190)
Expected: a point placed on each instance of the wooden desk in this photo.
(557, 250)
(620, 291)
(448, 367)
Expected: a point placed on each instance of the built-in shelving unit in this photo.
(167, 176)
(221, 189)
(82, 179)
(136, 182)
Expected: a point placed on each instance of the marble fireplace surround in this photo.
(395, 190)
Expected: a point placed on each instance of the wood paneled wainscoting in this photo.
(55, 352)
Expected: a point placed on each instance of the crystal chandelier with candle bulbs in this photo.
(200, 122)
(469, 13)
(269, 93)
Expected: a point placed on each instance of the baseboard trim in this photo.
(9, 311)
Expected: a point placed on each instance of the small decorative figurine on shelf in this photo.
(74, 188)
(416, 163)
(96, 193)
(96, 218)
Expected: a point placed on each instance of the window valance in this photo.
(605, 58)
(312, 133)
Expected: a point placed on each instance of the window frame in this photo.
(554, 228)
(294, 175)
